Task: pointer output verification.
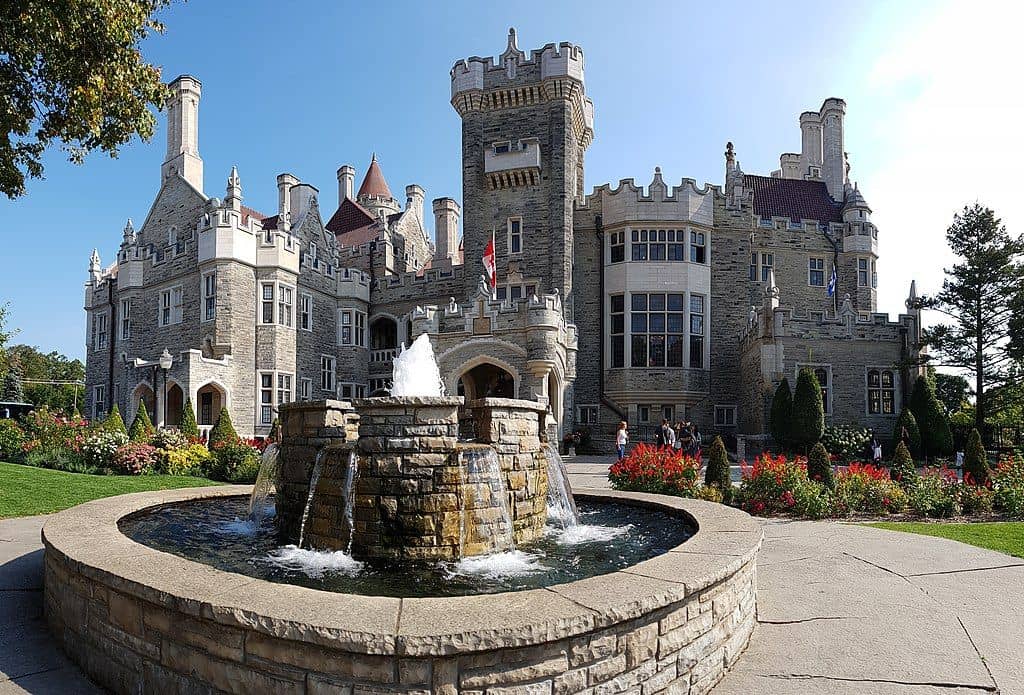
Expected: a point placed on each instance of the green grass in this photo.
(26, 491)
(1002, 536)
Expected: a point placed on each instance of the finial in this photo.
(512, 39)
(911, 302)
(730, 153)
(94, 263)
(373, 158)
(129, 231)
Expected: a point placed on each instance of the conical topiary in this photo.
(717, 472)
(976, 468)
(808, 411)
(142, 427)
(781, 414)
(903, 470)
(932, 423)
(223, 430)
(819, 467)
(189, 426)
(114, 422)
(906, 430)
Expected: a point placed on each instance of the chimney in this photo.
(446, 231)
(183, 132)
(284, 200)
(414, 196)
(833, 160)
(346, 181)
(810, 139)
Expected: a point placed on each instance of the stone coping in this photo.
(328, 404)
(87, 538)
(520, 403)
(398, 401)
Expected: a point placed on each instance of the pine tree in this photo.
(223, 430)
(976, 460)
(906, 430)
(114, 422)
(189, 427)
(936, 439)
(781, 414)
(13, 391)
(903, 470)
(819, 467)
(717, 472)
(142, 427)
(808, 411)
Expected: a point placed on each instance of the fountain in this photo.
(561, 505)
(261, 489)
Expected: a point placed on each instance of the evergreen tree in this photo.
(717, 472)
(223, 430)
(975, 459)
(189, 427)
(819, 467)
(142, 427)
(808, 420)
(906, 430)
(13, 391)
(932, 423)
(114, 422)
(781, 414)
(903, 470)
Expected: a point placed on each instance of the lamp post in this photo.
(166, 360)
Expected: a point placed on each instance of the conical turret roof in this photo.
(374, 183)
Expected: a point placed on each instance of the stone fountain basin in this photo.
(141, 620)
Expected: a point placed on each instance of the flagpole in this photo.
(494, 282)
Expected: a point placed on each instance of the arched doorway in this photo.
(554, 394)
(144, 394)
(486, 380)
(175, 405)
(210, 398)
(383, 339)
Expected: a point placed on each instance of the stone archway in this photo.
(175, 405)
(210, 398)
(143, 393)
(487, 380)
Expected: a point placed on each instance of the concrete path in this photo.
(842, 609)
(849, 610)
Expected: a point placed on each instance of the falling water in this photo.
(486, 516)
(415, 371)
(349, 497)
(561, 506)
(261, 490)
(314, 479)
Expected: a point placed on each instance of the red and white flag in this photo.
(490, 264)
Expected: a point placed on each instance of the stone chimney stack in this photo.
(414, 196)
(183, 132)
(833, 158)
(346, 182)
(810, 138)
(446, 231)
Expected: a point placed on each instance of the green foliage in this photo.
(717, 472)
(99, 448)
(906, 431)
(903, 470)
(976, 459)
(845, 441)
(142, 428)
(819, 467)
(59, 459)
(952, 390)
(189, 460)
(934, 495)
(1008, 486)
(234, 461)
(656, 469)
(52, 366)
(189, 426)
(779, 485)
(13, 391)
(113, 422)
(12, 439)
(781, 414)
(936, 438)
(73, 74)
(866, 489)
(808, 421)
(223, 431)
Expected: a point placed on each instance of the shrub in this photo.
(717, 472)
(906, 431)
(134, 458)
(234, 461)
(58, 459)
(781, 414)
(656, 469)
(975, 459)
(867, 489)
(189, 426)
(12, 441)
(708, 494)
(113, 422)
(223, 431)
(170, 439)
(54, 431)
(819, 467)
(808, 411)
(903, 470)
(975, 499)
(1008, 486)
(193, 459)
(934, 494)
(142, 428)
(99, 449)
(845, 441)
(777, 485)
(936, 438)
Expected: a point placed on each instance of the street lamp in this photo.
(166, 360)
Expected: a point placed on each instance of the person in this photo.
(959, 459)
(668, 435)
(695, 441)
(876, 451)
(621, 438)
(678, 444)
(659, 435)
(685, 437)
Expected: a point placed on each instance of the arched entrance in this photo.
(144, 394)
(486, 380)
(554, 394)
(210, 398)
(175, 405)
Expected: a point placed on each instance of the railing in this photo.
(385, 355)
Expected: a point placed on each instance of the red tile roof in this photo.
(270, 222)
(350, 215)
(360, 236)
(374, 183)
(793, 198)
(248, 212)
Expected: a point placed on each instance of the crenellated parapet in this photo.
(684, 202)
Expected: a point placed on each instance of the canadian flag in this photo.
(489, 263)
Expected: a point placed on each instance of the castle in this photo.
(685, 302)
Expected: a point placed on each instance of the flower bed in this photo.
(661, 470)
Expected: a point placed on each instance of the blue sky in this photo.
(306, 87)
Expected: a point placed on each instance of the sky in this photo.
(934, 114)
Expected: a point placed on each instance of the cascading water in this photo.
(261, 490)
(561, 506)
(486, 518)
(349, 498)
(314, 479)
(415, 372)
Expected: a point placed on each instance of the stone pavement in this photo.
(842, 609)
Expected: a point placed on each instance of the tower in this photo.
(526, 123)
(183, 132)
(833, 149)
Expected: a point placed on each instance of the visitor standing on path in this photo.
(621, 439)
(667, 436)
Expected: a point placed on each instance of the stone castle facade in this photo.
(687, 302)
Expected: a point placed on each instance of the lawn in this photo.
(25, 490)
(1005, 537)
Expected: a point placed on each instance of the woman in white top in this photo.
(621, 437)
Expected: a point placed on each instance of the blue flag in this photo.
(832, 283)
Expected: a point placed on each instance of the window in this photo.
(126, 319)
(268, 236)
(515, 235)
(345, 335)
(753, 266)
(676, 247)
(668, 412)
(767, 262)
(874, 275)
(209, 296)
(284, 389)
(327, 373)
(618, 246)
(643, 413)
(617, 315)
(656, 330)
(697, 247)
(285, 305)
(816, 272)
(862, 272)
(306, 312)
(312, 254)
(305, 389)
(378, 385)
(725, 416)
(586, 415)
(881, 392)
(99, 401)
(360, 329)
(502, 148)
(266, 398)
(171, 301)
(515, 292)
(696, 331)
(99, 331)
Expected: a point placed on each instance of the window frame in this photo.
(172, 301)
(694, 337)
(729, 413)
(616, 337)
(661, 313)
(100, 330)
(268, 303)
(514, 234)
(811, 270)
(305, 311)
(328, 373)
(126, 319)
(698, 247)
(305, 389)
(617, 246)
(587, 414)
(863, 271)
(881, 389)
(209, 297)
(285, 305)
(99, 397)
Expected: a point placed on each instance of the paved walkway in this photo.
(842, 609)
